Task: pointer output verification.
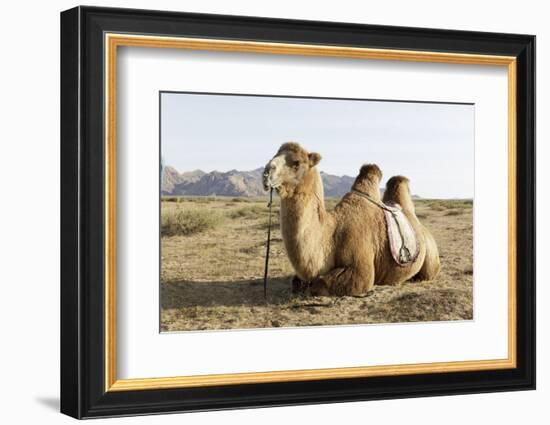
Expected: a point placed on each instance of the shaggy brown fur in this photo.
(368, 180)
(344, 252)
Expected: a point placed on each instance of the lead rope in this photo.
(268, 243)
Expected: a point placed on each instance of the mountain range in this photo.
(235, 183)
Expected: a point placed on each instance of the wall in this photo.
(29, 224)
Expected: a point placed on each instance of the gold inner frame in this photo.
(113, 41)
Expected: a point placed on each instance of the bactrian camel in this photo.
(345, 251)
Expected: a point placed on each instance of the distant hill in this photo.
(215, 183)
(336, 186)
(172, 178)
(236, 183)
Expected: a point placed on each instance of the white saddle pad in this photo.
(403, 241)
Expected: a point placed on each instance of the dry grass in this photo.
(250, 211)
(443, 204)
(212, 279)
(188, 221)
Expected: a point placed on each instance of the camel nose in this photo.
(268, 169)
(267, 174)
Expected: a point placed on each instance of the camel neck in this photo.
(402, 197)
(308, 196)
(371, 188)
(306, 226)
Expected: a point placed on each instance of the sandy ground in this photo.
(213, 279)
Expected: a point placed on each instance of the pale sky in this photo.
(432, 144)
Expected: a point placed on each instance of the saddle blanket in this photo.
(403, 241)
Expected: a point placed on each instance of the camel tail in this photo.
(397, 191)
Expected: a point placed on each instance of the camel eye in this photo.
(296, 164)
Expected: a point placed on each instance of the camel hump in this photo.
(398, 192)
(368, 180)
(370, 172)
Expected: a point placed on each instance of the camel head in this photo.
(288, 167)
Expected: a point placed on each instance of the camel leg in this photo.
(298, 285)
(430, 267)
(344, 281)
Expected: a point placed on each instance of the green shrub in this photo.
(186, 222)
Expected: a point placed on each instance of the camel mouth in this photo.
(267, 181)
(271, 185)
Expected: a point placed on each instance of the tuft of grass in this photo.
(250, 211)
(330, 203)
(274, 223)
(176, 222)
(201, 199)
(443, 204)
(421, 215)
(454, 212)
(250, 249)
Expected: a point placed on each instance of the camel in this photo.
(344, 251)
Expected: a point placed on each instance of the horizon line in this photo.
(247, 171)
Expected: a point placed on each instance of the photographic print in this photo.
(270, 185)
(371, 214)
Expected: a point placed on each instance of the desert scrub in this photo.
(176, 222)
(454, 212)
(274, 223)
(170, 199)
(202, 199)
(444, 204)
(251, 211)
(330, 203)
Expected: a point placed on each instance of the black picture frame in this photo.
(83, 392)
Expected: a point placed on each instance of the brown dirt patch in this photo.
(213, 279)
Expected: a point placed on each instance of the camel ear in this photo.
(314, 159)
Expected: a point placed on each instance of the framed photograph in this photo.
(261, 212)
